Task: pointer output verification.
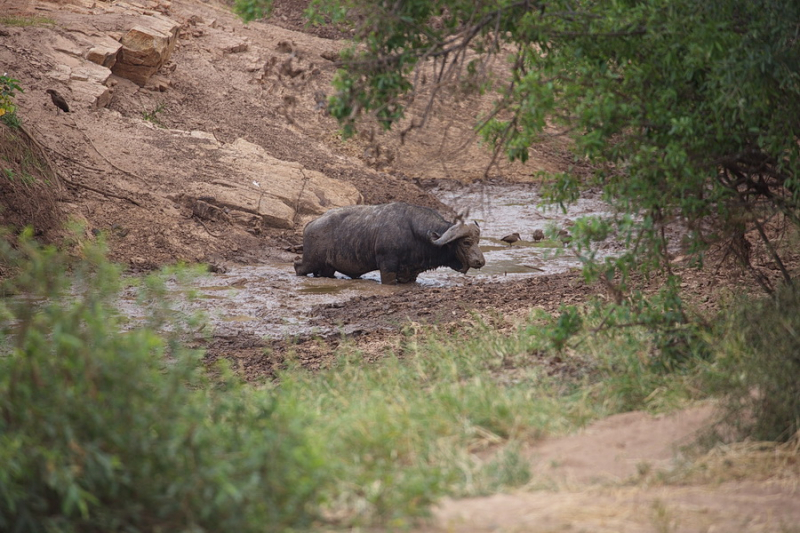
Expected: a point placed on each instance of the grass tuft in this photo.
(24, 22)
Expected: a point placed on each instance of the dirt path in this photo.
(607, 478)
(734, 506)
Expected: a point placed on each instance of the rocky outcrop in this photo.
(87, 80)
(104, 52)
(260, 190)
(145, 48)
(129, 40)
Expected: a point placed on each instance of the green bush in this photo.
(642, 353)
(103, 429)
(758, 369)
(8, 111)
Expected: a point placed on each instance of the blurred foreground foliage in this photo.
(757, 375)
(107, 428)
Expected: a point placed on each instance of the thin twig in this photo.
(69, 181)
(98, 191)
(72, 159)
(777, 258)
(107, 160)
(206, 227)
(297, 203)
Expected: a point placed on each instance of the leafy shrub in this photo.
(109, 430)
(8, 111)
(251, 10)
(758, 370)
(644, 351)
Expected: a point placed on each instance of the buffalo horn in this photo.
(456, 231)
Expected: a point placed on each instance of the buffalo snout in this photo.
(476, 259)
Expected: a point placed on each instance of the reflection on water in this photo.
(504, 209)
(322, 289)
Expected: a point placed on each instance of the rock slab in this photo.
(145, 48)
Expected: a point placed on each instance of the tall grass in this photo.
(449, 414)
(401, 433)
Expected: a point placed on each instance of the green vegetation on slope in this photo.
(28, 184)
(8, 111)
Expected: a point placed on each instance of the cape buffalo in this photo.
(399, 239)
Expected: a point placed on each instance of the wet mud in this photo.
(271, 302)
(260, 315)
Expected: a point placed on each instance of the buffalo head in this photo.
(466, 238)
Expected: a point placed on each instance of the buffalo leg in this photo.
(389, 267)
(300, 268)
(388, 278)
(325, 272)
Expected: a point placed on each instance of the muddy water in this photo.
(271, 301)
(501, 210)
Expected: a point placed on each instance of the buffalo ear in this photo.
(432, 235)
